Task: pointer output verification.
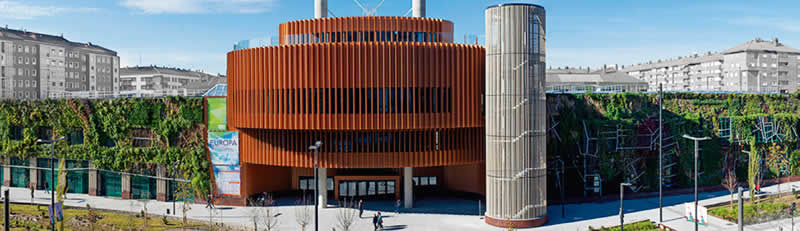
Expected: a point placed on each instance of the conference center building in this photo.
(390, 108)
(395, 103)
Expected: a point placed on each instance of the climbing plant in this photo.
(695, 114)
(101, 130)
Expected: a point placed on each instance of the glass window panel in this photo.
(342, 188)
(415, 180)
(330, 184)
(381, 187)
(371, 189)
(362, 188)
(424, 180)
(351, 188)
(432, 180)
(303, 184)
(390, 187)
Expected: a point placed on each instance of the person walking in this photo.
(397, 207)
(210, 203)
(375, 221)
(380, 221)
(33, 188)
(360, 208)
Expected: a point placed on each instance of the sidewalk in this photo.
(578, 216)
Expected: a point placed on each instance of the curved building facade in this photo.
(393, 100)
(516, 185)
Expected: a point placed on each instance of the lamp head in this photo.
(315, 146)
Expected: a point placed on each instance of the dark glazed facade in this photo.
(380, 92)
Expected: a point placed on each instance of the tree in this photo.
(753, 169)
(254, 215)
(729, 182)
(270, 218)
(302, 213)
(346, 214)
(144, 202)
(778, 159)
(184, 192)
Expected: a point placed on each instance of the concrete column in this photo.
(320, 8)
(34, 173)
(92, 180)
(408, 187)
(7, 173)
(126, 186)
(322, 187)
(161, 184)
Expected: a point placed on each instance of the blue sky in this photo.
(197, 33)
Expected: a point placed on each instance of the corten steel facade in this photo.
(516, 185)
(381, 93)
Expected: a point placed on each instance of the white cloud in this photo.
(17, 10)
(199, 6)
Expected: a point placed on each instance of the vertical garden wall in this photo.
(130, 135)
(735, 122)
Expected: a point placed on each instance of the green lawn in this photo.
(34, 217)
(637, 226)
(768, 208)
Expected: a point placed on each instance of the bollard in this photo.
(740, 212)
(7, 208)
(479, 207)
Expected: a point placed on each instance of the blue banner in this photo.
(224, 148)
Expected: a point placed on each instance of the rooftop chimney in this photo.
(320, 8)
(418, 6)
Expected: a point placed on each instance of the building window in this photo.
(16, 133)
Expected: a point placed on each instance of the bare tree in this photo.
(346, 214)
(729, 171)
(730, 183)
(270, 218)
(254, 214)
(144, 202)
(302, 213)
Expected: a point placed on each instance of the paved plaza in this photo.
(438, 213)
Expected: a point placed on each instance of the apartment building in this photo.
(156, 81)
(576, 80)
(35, 66)
(755, 66)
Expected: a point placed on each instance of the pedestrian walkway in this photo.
(578, 216)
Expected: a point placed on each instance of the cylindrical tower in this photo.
(516, 185)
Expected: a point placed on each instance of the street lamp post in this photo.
(52, 176)
(696, 150)
(315, 148)
(660, 155)
(621, 210)
(174, 178)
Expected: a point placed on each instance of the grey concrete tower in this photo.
(516, 184)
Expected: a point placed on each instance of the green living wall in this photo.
(684, 113)
(101, 130)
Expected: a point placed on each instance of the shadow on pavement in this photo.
(588, 211)
(427, 205)
(394, 227)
